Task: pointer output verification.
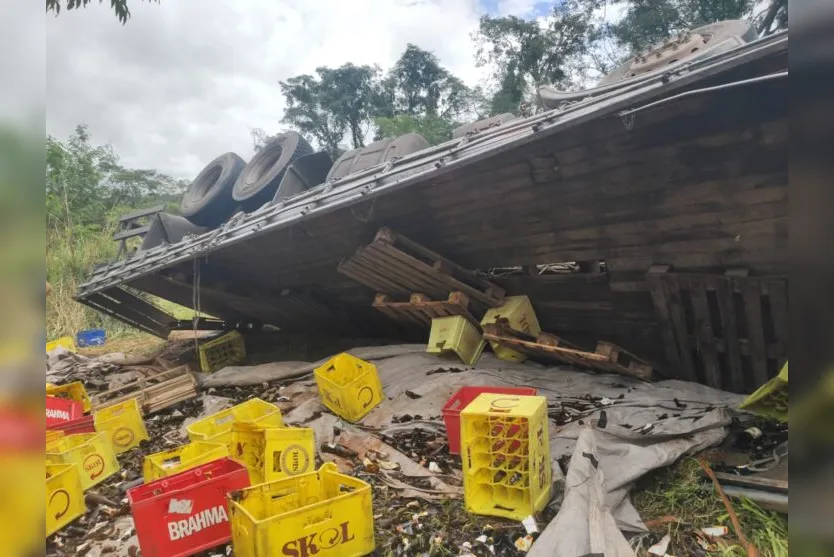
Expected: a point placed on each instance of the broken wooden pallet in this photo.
(726, 331)
(394, 265)
(419, 310)
(153, 393)
(607, 358)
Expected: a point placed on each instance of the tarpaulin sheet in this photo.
(621, 429)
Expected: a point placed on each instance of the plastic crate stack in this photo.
(505, 451)
(82, 447)
(457, 337)
(184, 506)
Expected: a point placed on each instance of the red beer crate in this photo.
(62, 410)
(186, 513)
(84, 424)
(461, 399)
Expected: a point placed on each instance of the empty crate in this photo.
(348, 386)
(180, 459)
(454, 334)
(186, 513)
(461, 399)
(505, 450)
(516, 313)
(217, 428)
(123, 423)
(325, 510)
(222, 351)
(92, 452)
(272, 453)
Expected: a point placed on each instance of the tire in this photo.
(260, 178)
(375, 153)
(720, 36)
(208, 201)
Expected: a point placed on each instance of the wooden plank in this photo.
(778, 294)
(678, 318)
(726, 309)
(544, 348)
(636, 366)
(660, 299)
(444, 265)
(752, 294)
(703, 329)
(387, 262)
(453, 283)
(385, 266)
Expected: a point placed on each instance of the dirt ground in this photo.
(677, 501)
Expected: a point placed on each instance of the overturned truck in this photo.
(649, 212)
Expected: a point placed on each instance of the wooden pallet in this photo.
(608, 357)
(153, 393)
(726, 331)
(419, 310)
(394, 265)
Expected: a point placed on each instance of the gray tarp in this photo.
(646, 426)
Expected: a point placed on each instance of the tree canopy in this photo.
(354, 103)
(86, 185)
(120, 7)
(647, 22)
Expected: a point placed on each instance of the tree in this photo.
(647, 22)
(332, 104)
(420, 85)
(774, 18)
(433, 128)
(86, 185)
(119, 7)
(421, 96)
(528, 53)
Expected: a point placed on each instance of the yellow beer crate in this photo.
(73, 391)
(272, 453)
(348, 386)
(63, 342)
(516, 313)
(167, 463)
(123, 423)
(64, 496)
(505, 447)
(222, 351)
(92, 452)
(455, 334)
(53, 435)
(326, 510)
(217, 428)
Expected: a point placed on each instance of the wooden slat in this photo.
(703, 329)
(441, 263)
(752, 295)
(660, 300)
(778, 294)
(726, 309)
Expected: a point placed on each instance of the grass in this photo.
(679, 491)
(69, 260)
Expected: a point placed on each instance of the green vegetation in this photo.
(680, 492)
(120, 7)
(86, 192)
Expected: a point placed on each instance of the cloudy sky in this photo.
(186, 80)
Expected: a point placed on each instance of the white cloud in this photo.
(184, 81)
